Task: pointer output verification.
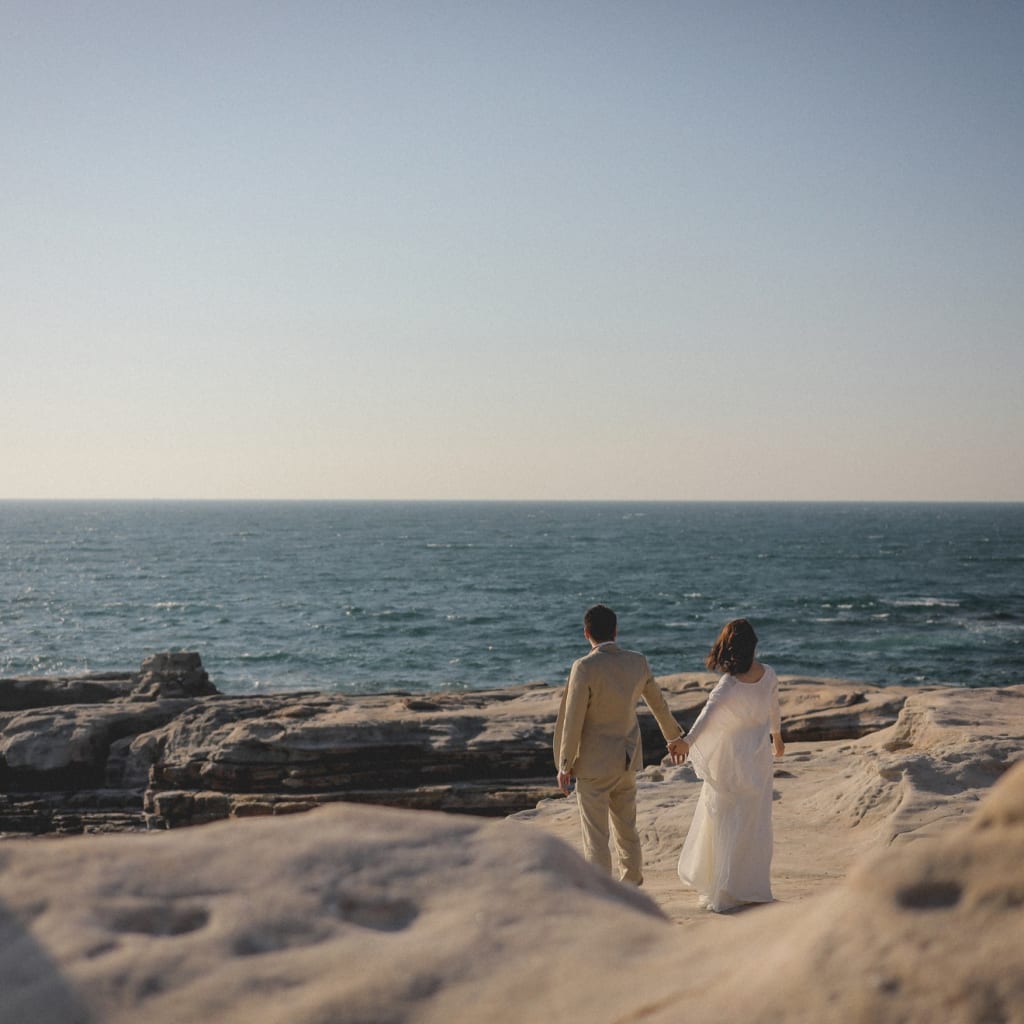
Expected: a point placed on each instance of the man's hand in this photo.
(679, 750)
(565, 782)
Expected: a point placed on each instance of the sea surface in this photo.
(370, 597)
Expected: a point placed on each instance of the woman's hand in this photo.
(778, 746)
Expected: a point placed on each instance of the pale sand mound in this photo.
(358, 914)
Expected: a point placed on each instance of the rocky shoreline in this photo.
(899, 833)
(163, 748)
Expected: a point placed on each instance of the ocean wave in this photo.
(923, 602)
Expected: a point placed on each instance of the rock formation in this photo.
(354, 914)
(66, 759)
(162, 748)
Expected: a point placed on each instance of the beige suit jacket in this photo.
(597, 732)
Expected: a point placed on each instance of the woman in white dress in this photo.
(727, 855)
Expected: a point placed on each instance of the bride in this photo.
(727, 854)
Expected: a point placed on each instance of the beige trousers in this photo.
(608, 808)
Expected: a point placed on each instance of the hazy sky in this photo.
(690, 250)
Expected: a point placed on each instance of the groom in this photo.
(597, 740)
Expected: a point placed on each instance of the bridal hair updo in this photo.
(733, 651)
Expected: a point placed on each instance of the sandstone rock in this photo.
(67, 742)
(837, 710)
(483, 752)
(928, 770)
(174, 675)
(929, 932)
(68, 747)
(166, 729)
(52, 691)
(355, 914)
(455, 751)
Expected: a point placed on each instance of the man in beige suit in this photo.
(597, 740)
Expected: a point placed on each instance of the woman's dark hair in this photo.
(600, 622)
(734, 649)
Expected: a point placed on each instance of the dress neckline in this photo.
(752, 682)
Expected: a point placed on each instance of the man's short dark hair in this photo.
(600, 622)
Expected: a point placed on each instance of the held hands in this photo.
(678, 750)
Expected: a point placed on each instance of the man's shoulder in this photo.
(600, 655)
(637, 656)
(611, 647)
(580, 665)
(632, 653)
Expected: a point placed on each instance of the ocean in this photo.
(368, 597)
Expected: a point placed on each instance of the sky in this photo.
(512, 250)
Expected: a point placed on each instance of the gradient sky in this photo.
(526, 250)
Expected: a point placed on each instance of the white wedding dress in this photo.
(727, 855)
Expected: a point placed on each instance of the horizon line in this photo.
(516, 501)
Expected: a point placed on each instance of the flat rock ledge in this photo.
(163, 748)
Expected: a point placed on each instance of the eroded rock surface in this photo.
(162, 748)
(357, 913)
